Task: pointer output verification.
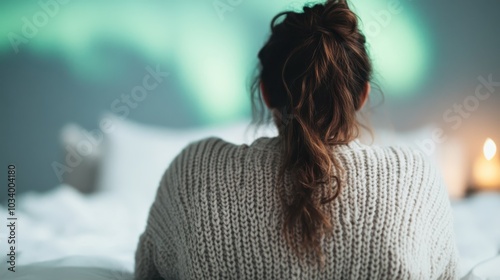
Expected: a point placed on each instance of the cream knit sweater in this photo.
(217, 215)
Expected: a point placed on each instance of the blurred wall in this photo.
(70, 61)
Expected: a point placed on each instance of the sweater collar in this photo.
(272, 144)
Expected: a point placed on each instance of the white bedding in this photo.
(477, 229)
(64, 223)
(72, 268)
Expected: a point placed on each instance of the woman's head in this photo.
(314, 77)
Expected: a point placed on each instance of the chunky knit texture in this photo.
(218, 215)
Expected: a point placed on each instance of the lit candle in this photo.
(487, 168)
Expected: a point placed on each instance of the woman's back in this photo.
(311, 203)
(218, 214)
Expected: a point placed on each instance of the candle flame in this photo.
(489, 149)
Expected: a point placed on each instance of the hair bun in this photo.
(334, 16)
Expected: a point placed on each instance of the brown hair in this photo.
(314, 69)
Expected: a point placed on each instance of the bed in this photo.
(64, 234)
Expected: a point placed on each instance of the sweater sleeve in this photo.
(144, 259)
(442, 242)
(156, 255)
(446, 251)
(449, 253)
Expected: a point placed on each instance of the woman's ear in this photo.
(265, 95)
(364, 95)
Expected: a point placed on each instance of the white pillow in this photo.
(137, 155)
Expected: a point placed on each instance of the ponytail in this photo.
(314, 68)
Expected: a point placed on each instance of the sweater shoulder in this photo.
(400, 155)
(196, 155)
(208, 143)
(409, 167)
(206, 147)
